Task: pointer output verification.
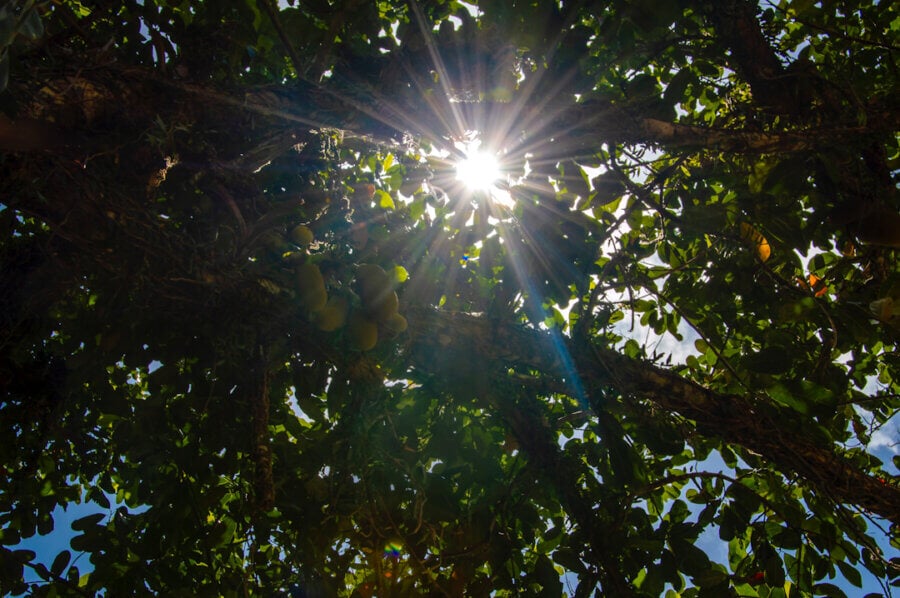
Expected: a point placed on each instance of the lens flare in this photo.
(393, 550)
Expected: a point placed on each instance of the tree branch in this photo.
(583, 126)
(462, 340)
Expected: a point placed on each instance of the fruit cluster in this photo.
(380, 305)
(377, 314)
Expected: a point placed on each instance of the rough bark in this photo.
(753, 423)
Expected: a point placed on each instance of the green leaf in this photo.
(24, 556)
(774, 571)
(608, 186)
(87, 522)
(83, 543)
(97, 495)
(850, 573)
(789, 538)
(569, 559)
(221, 533)
(712, 577)
(829, 590)
(312, 406)
(60, 562)
(642, 86)
(417, 208)
(385, 200)
(759, 175)
(676, 88)
(547, 575)
(690, 559)
(782, 395)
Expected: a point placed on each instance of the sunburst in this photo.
(479, 170)
(482, 154)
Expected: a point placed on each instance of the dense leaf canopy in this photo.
(249, 314)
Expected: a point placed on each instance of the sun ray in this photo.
(486, 151)
(437, 62)
(536, 311)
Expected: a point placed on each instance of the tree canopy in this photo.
(248, 311)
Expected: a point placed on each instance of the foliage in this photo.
(248, 311)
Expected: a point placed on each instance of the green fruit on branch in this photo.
(375, 288)
(302, 235)
(313, 295)
(362, 332)
(384, 307)
(275, 242)
(394, 325)
(334, 314)
(372, 281)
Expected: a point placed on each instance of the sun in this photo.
(479, 170)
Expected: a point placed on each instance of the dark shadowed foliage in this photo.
(249, 314)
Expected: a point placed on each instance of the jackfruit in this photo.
(362, 332)
(394, 325)
(333, 315)
(302, 235)
(375, 289)
(313, 295)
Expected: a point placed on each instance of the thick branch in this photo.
(586, 124)
(580, 127)
(755, 424)
(674, 135)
